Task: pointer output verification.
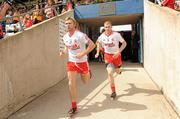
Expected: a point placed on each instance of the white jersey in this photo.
(110, 43)
(76, 44)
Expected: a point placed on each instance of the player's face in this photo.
(108, 28)
(70, 25)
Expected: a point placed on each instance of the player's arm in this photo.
(63, 52)
(90, 47)
(97, 49)
(123, 45)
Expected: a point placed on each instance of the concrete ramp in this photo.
(137, 98)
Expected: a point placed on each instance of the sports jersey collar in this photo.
(109, 34)
(70, 35)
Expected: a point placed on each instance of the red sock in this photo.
(74, 105)
(113, 87)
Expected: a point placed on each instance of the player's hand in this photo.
(116, 55)
(79, 55)
(61, 53)
(96, 55)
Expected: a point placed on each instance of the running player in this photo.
(109, 40)
(75, 46)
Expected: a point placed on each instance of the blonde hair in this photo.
(72, 19)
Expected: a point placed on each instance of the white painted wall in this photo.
(30, 64)
(162, 49)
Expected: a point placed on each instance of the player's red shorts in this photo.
(110, 59)
(82, 67)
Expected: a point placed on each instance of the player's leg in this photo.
(72, 90)
(85, 77)
(85, 72)
(118, 70)
(117, 63)
(71, 69)
(110, 71)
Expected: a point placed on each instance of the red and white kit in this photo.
(76, 44)
(111, 46)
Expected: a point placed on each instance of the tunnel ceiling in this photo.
(116, 20)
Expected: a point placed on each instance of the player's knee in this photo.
(71, 84)
(85, 79)
(110, 74)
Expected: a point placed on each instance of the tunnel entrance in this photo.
(134, 37)
(132, 51)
